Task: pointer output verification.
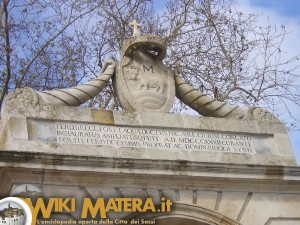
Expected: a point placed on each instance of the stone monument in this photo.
(229, 166)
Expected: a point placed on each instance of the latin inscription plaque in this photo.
(141, 137)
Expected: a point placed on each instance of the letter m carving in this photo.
(148, 69)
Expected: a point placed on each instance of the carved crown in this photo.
(152, 44)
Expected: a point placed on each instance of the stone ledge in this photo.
(148, 166)
(75, 171)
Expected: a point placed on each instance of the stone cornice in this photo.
(74, 170)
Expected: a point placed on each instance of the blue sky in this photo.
(287, 13)
(288, 8)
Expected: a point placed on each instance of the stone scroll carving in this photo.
(75, 96)
(208, 106)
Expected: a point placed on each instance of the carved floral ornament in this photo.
(143, 83)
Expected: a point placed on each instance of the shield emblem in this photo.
(143, 82)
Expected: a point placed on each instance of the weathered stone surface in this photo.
(144, 135)
(245, 201)
(142, 81)
(103, 116)
(274, 208)
(231, 203)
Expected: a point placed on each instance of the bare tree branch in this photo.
(7, 50)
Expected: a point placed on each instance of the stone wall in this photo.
(216, 171)
(148, 135)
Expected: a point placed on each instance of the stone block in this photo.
(231, 125)
(232, 203)
(197, 122)
(207, 199)
(125, 118)
(283, 144)
(271, 127)
(103, 116)
(158, 119)
(186, 196)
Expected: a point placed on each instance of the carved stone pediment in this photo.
(143, 83)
